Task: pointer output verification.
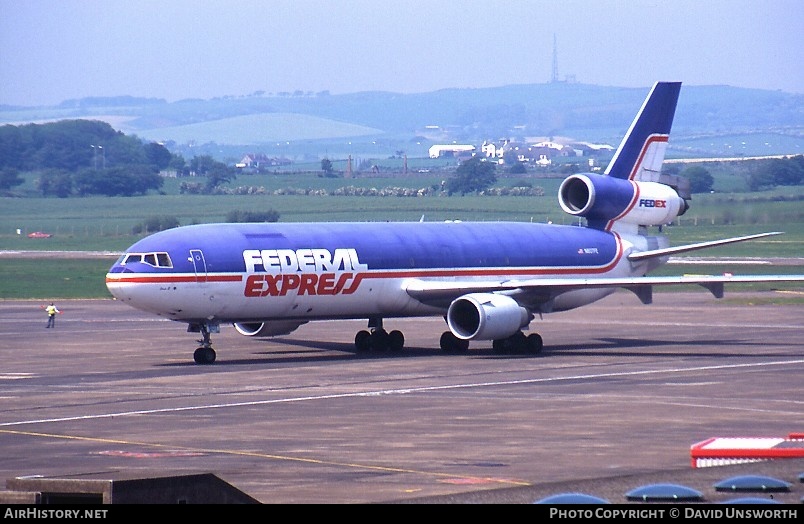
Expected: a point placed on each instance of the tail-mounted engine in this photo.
(604, 199)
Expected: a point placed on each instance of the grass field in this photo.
(54, 278)
(105, 224)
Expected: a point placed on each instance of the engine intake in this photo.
(486, 316)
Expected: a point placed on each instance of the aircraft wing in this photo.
(537, 294)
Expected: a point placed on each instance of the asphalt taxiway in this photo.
(620, 394)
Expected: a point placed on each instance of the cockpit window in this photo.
(160, 259)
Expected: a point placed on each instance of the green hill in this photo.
(380, 123)
(259, 128)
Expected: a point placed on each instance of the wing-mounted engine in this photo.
(603, 200)
(267, 329)
(486, 316)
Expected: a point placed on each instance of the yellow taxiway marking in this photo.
(268, 456)
(355, 394)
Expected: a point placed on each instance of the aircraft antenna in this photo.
(554, 78)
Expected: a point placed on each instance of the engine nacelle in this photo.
(602, 198)
(486, 316)
(267, 329)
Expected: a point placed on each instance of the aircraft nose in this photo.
(115, 287)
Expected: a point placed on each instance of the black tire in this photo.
(535, 343)
(396, 341)
(379, 340)
(452, 344)
(519, 342)
(204, 355)
(362, 341)
(446, 341)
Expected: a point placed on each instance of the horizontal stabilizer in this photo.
(667, 251)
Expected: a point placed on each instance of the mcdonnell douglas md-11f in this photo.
(487, 279)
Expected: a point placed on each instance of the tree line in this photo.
(476, 175)
(88, 157)
(760, 174)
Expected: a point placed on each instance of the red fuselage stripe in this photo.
(420, 273)
(651, 139)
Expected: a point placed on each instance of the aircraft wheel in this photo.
(507, 345)
(463, 346)
(396, 341)
(447, 341)
(452, 344)
(534, 344)
(204, 355)
(362, 341)
(519, 342)
(379, 340)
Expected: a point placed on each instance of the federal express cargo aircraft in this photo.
(487, 279)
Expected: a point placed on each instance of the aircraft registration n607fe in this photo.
(487, 279)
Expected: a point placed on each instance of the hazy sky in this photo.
(54, 50)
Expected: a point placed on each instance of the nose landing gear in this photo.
(204, 354)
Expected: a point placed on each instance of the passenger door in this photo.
(200, 265)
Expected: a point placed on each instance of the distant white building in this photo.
(440, 150)
(551, 145)
(260, 160)
(492, 150)
(539, 153)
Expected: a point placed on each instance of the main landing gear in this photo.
(452, 344)
(516, 343)
(519, 343)
(204, 354)
(377, 339)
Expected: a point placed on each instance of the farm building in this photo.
(440, 150)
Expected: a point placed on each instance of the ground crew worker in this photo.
(51, 311)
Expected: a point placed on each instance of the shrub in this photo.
(238, 215)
